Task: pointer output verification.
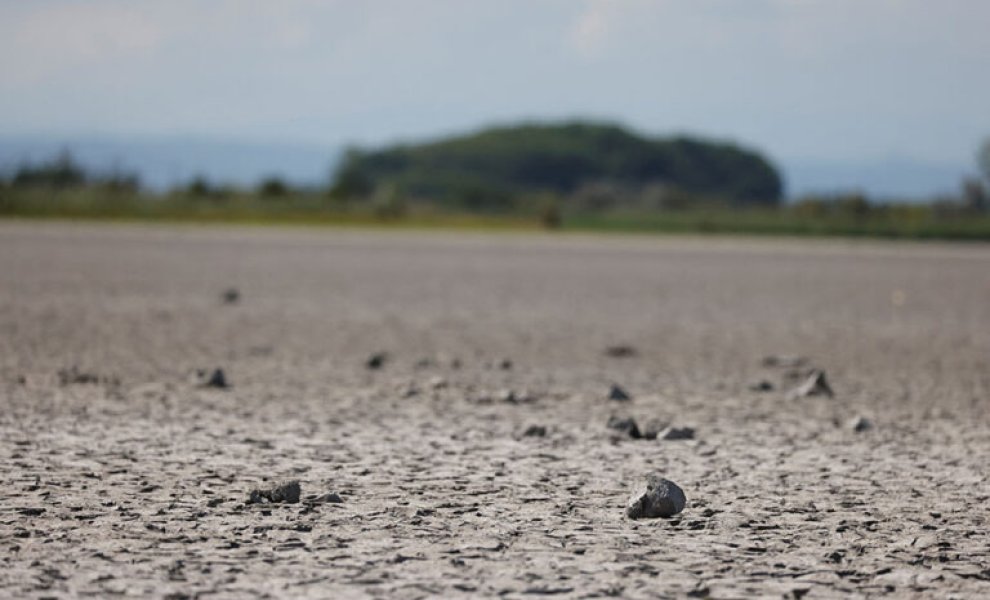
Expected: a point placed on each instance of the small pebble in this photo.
(626, 425)
(535, 431)
(676, 433)
(761, 386)
(620, 351)
(230, 296)
(618, 394)
(816, 384)
(328, 498)
(662, 498)
(287, 492)
(215, 379)
(860, 424)
(376, 361)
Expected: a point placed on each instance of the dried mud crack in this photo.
(475, 458)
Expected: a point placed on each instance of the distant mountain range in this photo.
(893, 178)
(165, 162)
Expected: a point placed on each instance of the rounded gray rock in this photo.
(662, 498)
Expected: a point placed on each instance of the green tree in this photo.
(273, 187)
(60, 173)
(351, 180)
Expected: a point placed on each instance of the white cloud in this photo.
(590, 28)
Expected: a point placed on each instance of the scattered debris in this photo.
(816, 384)
(618, 394)
(653, 428)
(328, 498)
(215, 379)
(73, 376)
(761, 386)
(230, 296)
(784, 361)
(621, 351)
(376, 361)
(287, 492)
(859, 424)
(676, 433)
(438, 383)
(511, 397)
(626, 425)
(535, 431)
(662, 498)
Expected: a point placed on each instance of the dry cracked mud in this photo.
(476, 460)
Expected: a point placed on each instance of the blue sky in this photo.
(840, 80)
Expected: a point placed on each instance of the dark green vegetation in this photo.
(571, 177)
(498, 168)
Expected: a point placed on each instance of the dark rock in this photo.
(653, 428)
(328, 498)
(661, 498)
(215, 379)
(535, 431)
(287, 492)
(626, 425)
(618, 394)
(761, 386)
(73, 376)
(676, 433)
(230, 296)
(816, 384)
(860, 424)
(376, 361)
(621, 351)
(513, 397)
(505, 364)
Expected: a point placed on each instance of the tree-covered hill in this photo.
(489, 168)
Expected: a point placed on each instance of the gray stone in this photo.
(621, 351)
(535, 431)
(761, 386)
(654, 427)
(625, 425)
(215, 379)
(230, 296)
(662, 498)
(376, 361)
(287, 493)
(816, 384)
(618, 394)
(860, 424)
(328, 498)
(676, 433)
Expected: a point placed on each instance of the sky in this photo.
(838, 80)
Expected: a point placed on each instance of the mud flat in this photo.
(443, 402)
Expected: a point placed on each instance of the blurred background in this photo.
(770, 116)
